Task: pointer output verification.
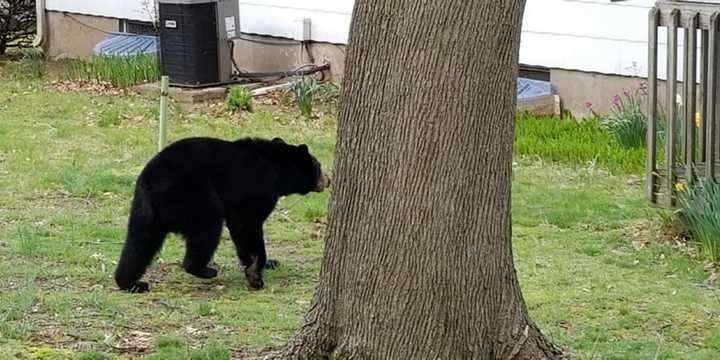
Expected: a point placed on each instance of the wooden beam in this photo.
(685, 96)
(704, 12)
(702, 140)
(710, 118)
(672, 92)
(651, 143)
(690, 96)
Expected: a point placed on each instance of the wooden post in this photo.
(651, 142)
(164, 90)
(685, 93)
(715, 101)
(691, 96)
(710, 120)
(671, 103)
(702, 140)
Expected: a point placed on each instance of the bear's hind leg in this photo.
(200, 247)
(250, 248)
(141, 245)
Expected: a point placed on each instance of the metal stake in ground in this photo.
(164, 89)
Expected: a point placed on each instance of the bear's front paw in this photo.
(139, 287)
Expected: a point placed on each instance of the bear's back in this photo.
(190, 160)
(199, 160)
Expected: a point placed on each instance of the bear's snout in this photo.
(322, 183)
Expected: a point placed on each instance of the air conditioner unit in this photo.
(194, 35)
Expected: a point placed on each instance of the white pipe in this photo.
(266, 90)
(40, 20)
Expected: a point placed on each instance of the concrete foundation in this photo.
(578, 88)
(547, 105)
(74, 35)
(183, 95)
(263, 54)
(190, 95)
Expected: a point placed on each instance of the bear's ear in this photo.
(278, 140)
(304, 148)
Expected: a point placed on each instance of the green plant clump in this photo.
(34, 61)
(304, 89)
(627, 121)
(239, 99)
(700, 207)
(120, 71)
(329, 94)
(30, 65)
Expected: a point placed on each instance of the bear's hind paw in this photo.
(205, 273)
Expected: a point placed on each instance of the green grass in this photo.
(31, 65)
(583, 143)
(118, 70)
(66, 183)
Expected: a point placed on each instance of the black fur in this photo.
(195, 184)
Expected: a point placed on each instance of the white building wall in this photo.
(123, 9)
(587, 35)
(590, 35)
(330, 19)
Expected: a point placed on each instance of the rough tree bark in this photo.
(418, 261)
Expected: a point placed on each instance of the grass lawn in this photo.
(593, 276)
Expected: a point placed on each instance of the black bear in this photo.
(195, 184)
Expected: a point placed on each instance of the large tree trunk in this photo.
(418, 261)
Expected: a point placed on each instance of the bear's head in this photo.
(305, 169)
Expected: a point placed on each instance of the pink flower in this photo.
(616, 100)
(643, 88)
(588, 105)
(626, 93)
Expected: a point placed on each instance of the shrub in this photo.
(120, 71)
(17, 21)
(700, 207)
(239, 99)
(304, 90)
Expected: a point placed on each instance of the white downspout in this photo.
(40, 20)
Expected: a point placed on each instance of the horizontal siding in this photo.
(123, 9)
(342, 7)
(622, 21)
(330, 20)
(597, 36)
